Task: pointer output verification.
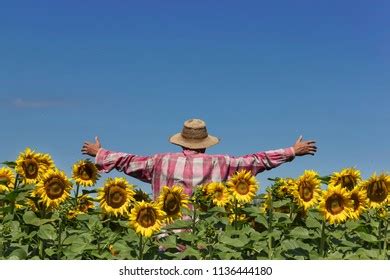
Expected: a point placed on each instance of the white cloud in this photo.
(24, 103)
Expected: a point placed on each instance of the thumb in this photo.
(97, 141)
(299, 139)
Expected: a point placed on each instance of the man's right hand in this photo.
(302, 148)
(91, 149)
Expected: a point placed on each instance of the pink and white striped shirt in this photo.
(188, 168)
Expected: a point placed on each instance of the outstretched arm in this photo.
(261, 161)
(135, 166)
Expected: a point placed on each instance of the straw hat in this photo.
(194, 135)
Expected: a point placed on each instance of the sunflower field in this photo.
(46, 214)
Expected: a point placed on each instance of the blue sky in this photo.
(259, 73)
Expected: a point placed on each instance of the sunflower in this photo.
(378, 190)
(146, 218)
(348, 178)
(264, 207)
(53, 189)
(115, 196)
(382, 213)
(28, 165)
(7, 179)
(85, 173)
(359, 199)
(307, 191)
(85, 202)
(336, 204)
(285, 186)
(46, 162)
(171, 201)
(240, 218)
(243, 186)
(219, 194)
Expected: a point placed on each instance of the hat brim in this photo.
(207, 142)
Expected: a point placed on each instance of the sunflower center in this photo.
(335, 204)
(306, 192)
(377, 191)
(348, 182)
(171, 204)
(218, 194)
(356, 201)
(86, 172)
(116, 197)
(55, 189)
(30, 167)
(242, 188)
(147, 217)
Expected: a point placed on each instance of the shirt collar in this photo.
(189, 152)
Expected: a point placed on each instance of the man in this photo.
(192, 166)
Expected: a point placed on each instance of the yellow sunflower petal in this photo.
(243, 186)
(378, 190)
(348, 178)
(29, 166)
(172, 201)
(116, 196)
(85, 173)
(336, 204)
(219, 194)
(146, 218)
(53, 189)
(307, 191)
(7, 179)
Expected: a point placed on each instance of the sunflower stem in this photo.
(141, 248)
(13, 202)
(385, 240)
(270, 217)
(194, 221)
(77, 193)
(59, 245)
(235, 214)
(322, 241)
(380, 236)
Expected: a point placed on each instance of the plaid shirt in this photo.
(188, 168)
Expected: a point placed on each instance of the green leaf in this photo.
(30, 218)
(338, 234)
(280, 203)
(10, 164)
(290, 244)
(50, 251)
(169, 242)
(335, 256)
(180, 224)
(299, 232)
(18, 254)
(234, 242)
(368, 254)
(190, 252)
(47, 232)
(189, 237)
(312, 222)
(261, 219)
(352, 225)
(367, 237)
(252, 211)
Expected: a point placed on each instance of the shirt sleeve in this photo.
(140, 167)
(260, 161)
